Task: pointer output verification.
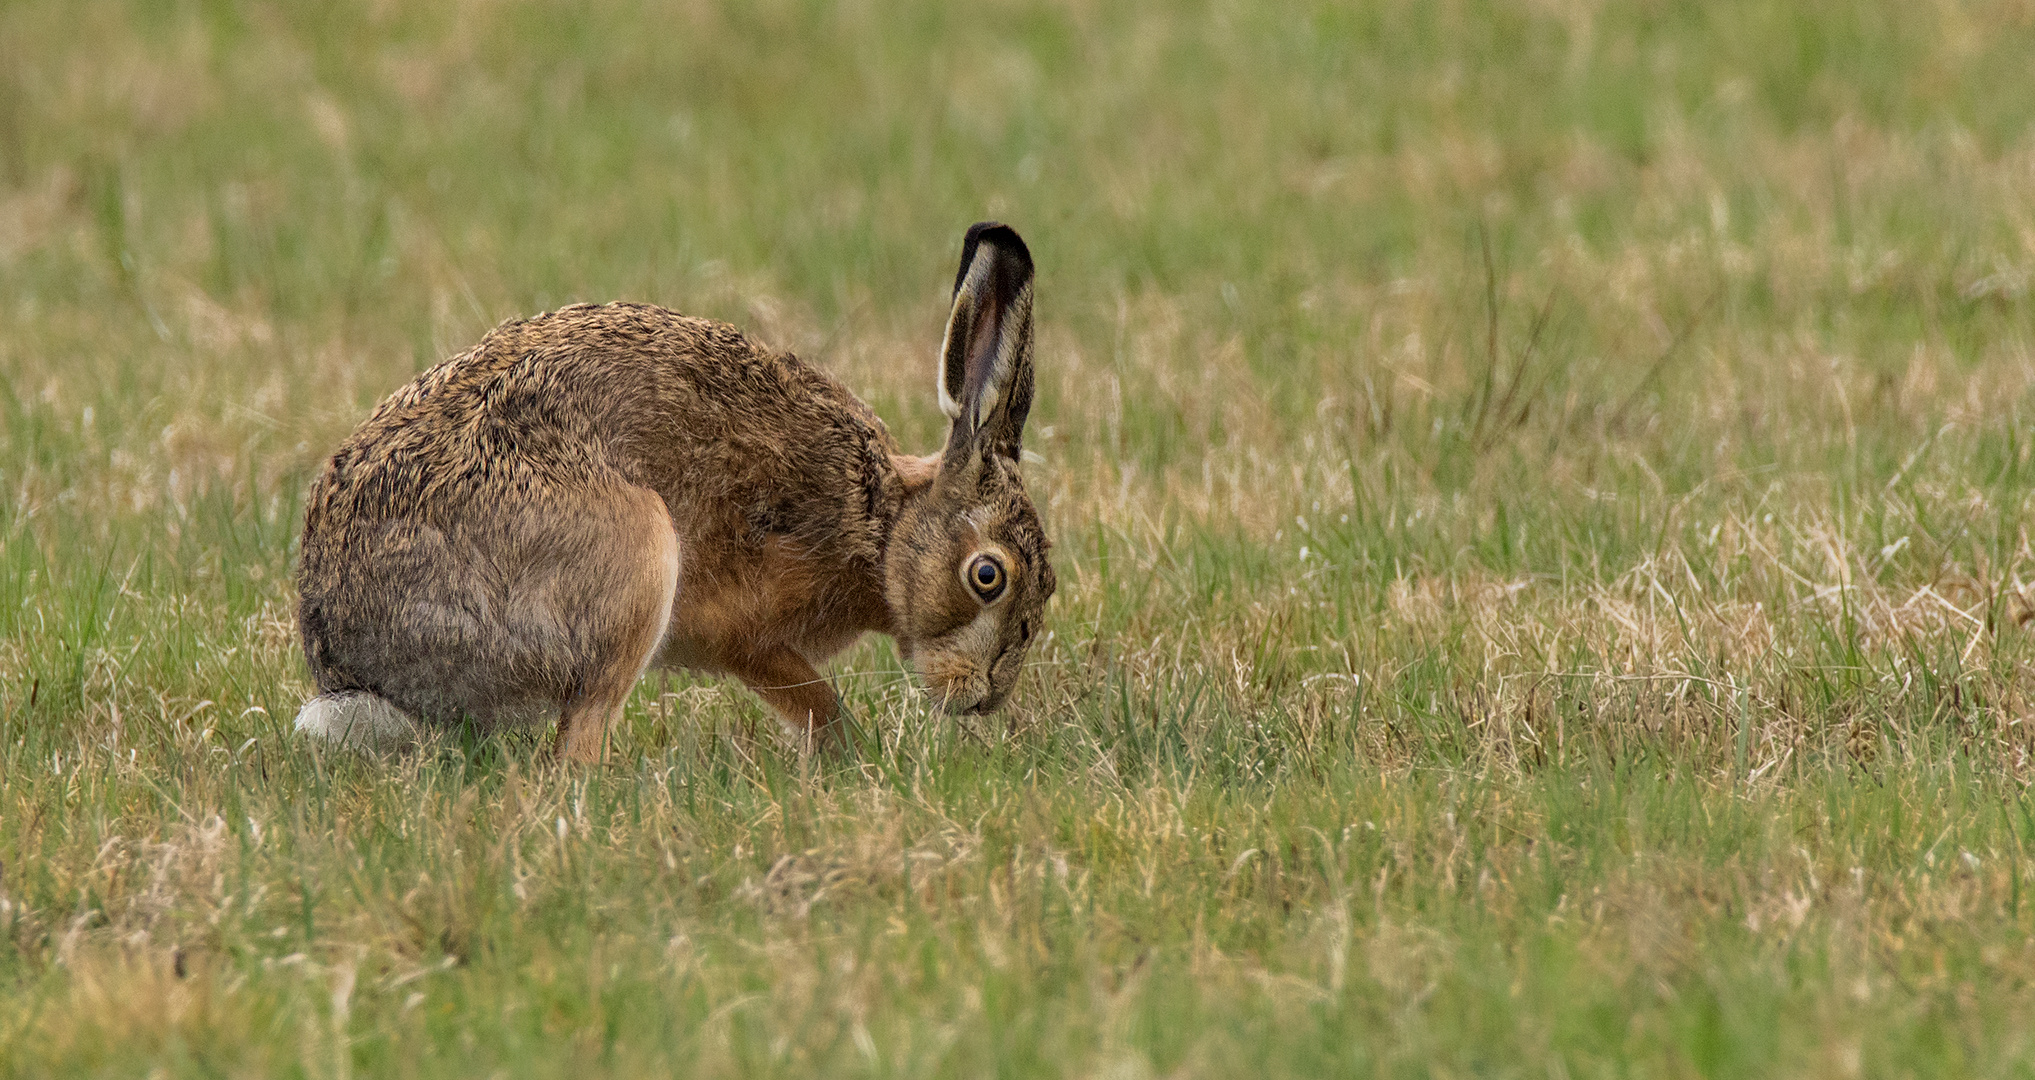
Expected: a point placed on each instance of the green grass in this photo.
(1542, 496)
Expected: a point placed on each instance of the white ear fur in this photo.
(986, 403)
(949, 349)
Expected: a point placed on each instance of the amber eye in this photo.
(985, 576)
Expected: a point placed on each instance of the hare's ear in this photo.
(986, 357)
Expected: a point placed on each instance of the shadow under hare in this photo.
(519, 534)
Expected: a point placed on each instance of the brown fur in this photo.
(518, 533)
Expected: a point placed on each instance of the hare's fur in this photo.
(518, 534)
(357, 719)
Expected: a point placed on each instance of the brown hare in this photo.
(520, 533)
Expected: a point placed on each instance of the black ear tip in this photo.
(997, 235)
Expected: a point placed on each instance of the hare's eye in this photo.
(985, 576)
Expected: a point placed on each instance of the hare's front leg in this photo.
(787, 683)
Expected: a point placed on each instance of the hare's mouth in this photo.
(956, 684)
(981, 703)
(962, 702)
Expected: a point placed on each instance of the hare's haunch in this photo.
(518, 534)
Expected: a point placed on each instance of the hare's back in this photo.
(687, 407)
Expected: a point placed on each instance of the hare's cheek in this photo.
(957, 664)
(976, 641)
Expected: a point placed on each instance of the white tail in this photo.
(357, 719)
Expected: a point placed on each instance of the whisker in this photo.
(892, 680)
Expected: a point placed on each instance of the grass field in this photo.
(1542, 494)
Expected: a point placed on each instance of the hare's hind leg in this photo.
(627, 624)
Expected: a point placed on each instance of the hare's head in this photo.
(966, 575)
